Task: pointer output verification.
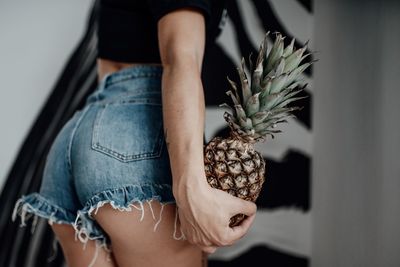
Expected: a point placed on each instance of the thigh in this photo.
(77, 254)
(147, 236)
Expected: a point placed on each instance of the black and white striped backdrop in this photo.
(281, 234)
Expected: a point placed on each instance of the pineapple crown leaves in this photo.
(261, 104)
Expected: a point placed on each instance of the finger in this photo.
(243, 206)
(239, 231)
(209, 249)
(200, 242)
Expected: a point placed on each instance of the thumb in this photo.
(242, 206)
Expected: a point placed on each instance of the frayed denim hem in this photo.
(86, 228)
(34, 204)
(123, 199)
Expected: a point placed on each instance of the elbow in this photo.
(177, 57)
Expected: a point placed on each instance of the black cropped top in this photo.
(127, 29)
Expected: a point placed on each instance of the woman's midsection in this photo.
(105, 66)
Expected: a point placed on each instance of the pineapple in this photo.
(232, 164)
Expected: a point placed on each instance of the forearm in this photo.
(183, 117)
(181, 36)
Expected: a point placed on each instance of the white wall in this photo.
(356, 176)
(36, 39)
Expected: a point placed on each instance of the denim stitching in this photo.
(95, 124)
(119, 156)
(71, 138)
(117, 79)
(147, 100)
(133, 98)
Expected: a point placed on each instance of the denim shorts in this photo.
(112, 150)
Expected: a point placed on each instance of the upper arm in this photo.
(181, 29)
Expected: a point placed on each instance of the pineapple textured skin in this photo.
(234, 166)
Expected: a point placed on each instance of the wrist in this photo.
(189, 184)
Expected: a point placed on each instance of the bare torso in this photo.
(105, 66)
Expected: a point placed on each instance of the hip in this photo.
(118, 137)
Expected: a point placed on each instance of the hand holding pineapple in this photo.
(204, 214)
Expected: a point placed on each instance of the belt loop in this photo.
(103, 82)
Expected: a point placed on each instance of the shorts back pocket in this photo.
(129, 130)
